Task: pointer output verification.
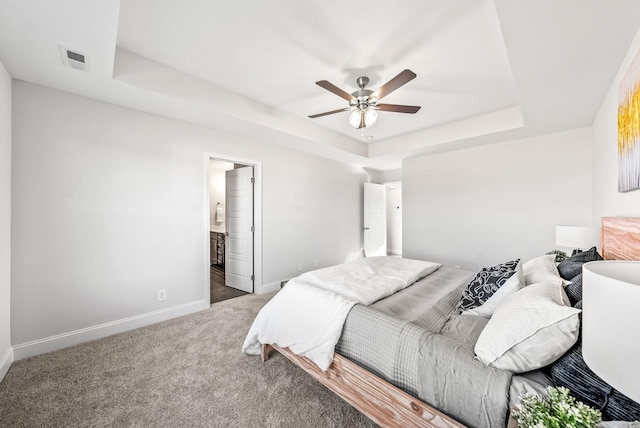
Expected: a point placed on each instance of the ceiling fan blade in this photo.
(333, 88)
(398, 108)
(393, 84)
(313, 116)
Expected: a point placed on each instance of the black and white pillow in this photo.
(485, 284)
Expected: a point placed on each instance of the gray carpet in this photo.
(185, 372)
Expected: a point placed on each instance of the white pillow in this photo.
(542, 269)
(530, 329)
(512, 285)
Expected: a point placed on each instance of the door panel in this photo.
(375, 220)
(239, 242)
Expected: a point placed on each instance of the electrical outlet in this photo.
(315, 263)
(161, 295)
(299, 267)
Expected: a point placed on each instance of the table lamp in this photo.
(577, 237)
(611, 323)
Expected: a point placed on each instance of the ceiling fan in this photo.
(363, 103)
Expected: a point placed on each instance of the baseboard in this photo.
(59, 341)
(269, 288)
(5, 363)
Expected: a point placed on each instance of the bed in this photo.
(414, 347)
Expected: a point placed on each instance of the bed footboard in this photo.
(376, 398)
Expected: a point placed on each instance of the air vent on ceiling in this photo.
(74, 59)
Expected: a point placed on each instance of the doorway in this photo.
(394, 217)
(382, 219)
(233, 263)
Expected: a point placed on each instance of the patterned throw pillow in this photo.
(485, 284)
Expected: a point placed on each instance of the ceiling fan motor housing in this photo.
(361, 96)
(361, 100)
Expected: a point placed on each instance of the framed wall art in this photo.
(629, 128)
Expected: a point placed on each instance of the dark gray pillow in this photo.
(572, 372)
(571, 267)
(574, 290)
(485, 284)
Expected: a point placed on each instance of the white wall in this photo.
(6, 351)
(607, 202)
(110, 206)
(392, 175)
(486, 205)
(315, 213)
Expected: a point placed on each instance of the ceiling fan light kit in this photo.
(363, 118)
(363, 103)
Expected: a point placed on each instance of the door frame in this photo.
(257, 218)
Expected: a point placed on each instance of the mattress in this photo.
(416, 340)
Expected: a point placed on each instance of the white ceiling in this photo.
(486, 70)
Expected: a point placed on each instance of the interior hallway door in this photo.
(240, 229)
(375, 220)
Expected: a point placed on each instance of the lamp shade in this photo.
(611, 323)
(370, 117)
(577, 236)
(355, 118)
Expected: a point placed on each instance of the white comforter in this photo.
(308, 314)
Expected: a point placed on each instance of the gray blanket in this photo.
(416, 340)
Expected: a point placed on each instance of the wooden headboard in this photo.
(621, 238)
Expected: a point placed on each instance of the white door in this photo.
(238, 270)
(375, 220)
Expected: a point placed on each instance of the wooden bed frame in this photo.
(380, 401)
(389, 406)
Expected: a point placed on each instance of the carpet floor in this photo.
(185, 372)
